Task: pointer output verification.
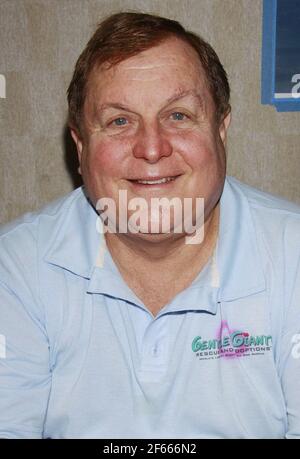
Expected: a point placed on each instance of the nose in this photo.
(151, 144)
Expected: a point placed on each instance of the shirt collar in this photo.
(201, 295)
(73, 237)
(238, 258)
(75, 241)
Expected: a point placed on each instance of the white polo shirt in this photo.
(82, 357)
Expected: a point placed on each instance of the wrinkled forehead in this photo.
(171, 65)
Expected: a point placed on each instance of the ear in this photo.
(224, 125)
(79, 145)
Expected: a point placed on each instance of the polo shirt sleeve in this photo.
(25, 376)
(290, 341)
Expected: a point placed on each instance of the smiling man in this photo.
(150, 127)
(127, 334)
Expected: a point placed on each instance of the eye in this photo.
(178, 116)
(119, 121)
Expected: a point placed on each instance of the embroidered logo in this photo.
(231, 344)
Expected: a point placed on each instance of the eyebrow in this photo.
(181, 94)
(177, 96)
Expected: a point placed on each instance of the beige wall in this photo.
(40, 41)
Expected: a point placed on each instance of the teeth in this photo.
(154, 182)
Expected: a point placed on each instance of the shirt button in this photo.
(154, 351)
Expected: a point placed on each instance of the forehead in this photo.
(172, 66)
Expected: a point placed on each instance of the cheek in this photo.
(205, 157)
(106, 158)
(101, 166)
(199, 150)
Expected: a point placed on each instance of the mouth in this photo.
(154, 181)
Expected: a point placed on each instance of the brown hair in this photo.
(123, 35)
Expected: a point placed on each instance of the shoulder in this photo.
(267, 202)
(276, 221)
(267, 209)
(31, 221)
(20, 240)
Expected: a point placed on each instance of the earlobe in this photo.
(77, 140)
(224, 127)
(79, 146)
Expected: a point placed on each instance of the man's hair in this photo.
(123, 35)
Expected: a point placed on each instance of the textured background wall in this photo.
(40, 42)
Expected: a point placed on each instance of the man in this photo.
(143, 333)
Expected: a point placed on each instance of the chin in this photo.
(155, 238)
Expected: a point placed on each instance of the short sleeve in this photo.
(25, 376)
(290, 358)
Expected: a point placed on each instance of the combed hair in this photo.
(123, 35)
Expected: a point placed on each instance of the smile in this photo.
(154, 181)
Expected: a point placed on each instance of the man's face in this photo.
(150, 128)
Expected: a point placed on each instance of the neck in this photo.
(136, 255)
